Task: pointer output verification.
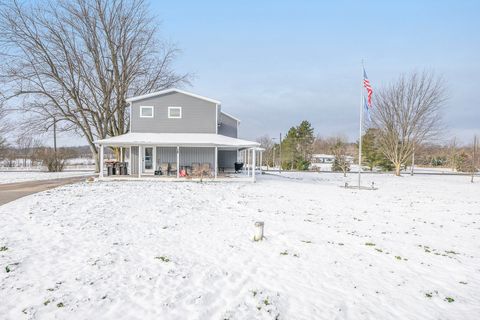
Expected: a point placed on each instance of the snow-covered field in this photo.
(22, 176)
(163, 250)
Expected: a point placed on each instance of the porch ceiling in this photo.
(177, 139)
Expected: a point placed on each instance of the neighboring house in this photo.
(181, 134)
(323, 162)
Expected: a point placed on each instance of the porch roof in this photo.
(177, 139)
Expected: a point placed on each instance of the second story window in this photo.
(174, 112)
(146, 112)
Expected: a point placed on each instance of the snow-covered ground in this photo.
(163, 250)
(22, 176)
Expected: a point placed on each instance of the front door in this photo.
(148, 159)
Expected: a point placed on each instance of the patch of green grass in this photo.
(3, 248)
(60, 305)
(370, 244)
(163, 258)
(254, 293)
(266, 302)
(46, 302)
(449, 299)
(284, 253)
(306, 241)
(7, 269)
(398, 257)
(428, 295)
(379, 250)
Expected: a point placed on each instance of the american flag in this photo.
(366, 84)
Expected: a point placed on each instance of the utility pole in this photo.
(413, 161)
(474, 160)
(280, 156)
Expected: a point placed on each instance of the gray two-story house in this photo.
(178, 134)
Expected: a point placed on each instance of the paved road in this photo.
(13, 191)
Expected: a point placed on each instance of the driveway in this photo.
(13, 191)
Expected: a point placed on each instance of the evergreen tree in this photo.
(297, 147)
(372, 156)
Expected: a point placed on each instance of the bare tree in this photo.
(408, 114)
(338, 147)
(77, 61)
(267, 143)
(24, 145)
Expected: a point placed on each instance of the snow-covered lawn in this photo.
(163, 250)
(22, 176)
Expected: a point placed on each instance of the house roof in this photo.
(230, 116)
(177, 139)
(159, 93)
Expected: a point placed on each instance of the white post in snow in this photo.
(258, 231)
(178, 162)
(140, 161)
(101, 161)
(253, 162)
(216, 162)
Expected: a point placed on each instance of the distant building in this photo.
(323, 162)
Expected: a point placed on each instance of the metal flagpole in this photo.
(360, 137)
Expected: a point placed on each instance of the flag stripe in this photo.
(366, 84)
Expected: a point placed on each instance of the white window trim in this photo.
(174, 107)
(146, 107)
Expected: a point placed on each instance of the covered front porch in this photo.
(177, 157)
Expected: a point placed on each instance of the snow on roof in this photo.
(159, 93)
(177, 139)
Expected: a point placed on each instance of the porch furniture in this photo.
(173, 169)
(238, 166)
(205, 168)
(164, 168)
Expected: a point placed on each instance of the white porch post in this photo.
(247, 153)
(216, 162)
(140, 161)
(178, 162)
(253, 161)
(101, 161)
(261, 158)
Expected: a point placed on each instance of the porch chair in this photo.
(164, 167)
(206, 169)
(173, 168)
(196, 169)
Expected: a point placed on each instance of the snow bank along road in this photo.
(146, 250)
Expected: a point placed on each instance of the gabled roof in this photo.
(230, 116)
(159, 93)
(177, 139)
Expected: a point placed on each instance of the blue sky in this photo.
(275, 63)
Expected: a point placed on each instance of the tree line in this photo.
(404, 128)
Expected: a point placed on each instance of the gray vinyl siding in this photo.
(197, 155)
(134, 161)
(198, 115)
(166, 154)
(228, 126)
(227, 158)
